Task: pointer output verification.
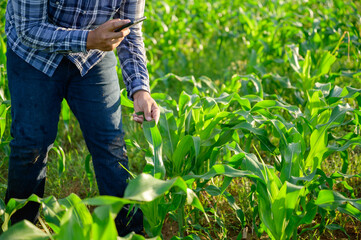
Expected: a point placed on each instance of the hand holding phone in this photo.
(130, 24)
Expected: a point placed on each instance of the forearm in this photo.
(133, 63)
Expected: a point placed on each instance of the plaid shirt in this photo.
(42, 32)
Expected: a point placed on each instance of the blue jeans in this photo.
(35, 107)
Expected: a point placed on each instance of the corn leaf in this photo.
(103, 226)
(154, 139)
(24, 230)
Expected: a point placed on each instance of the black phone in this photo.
(130, 24)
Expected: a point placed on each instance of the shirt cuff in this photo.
(78, 40)
(139, 86)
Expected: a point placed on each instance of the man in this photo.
(63, 49)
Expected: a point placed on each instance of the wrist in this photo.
(140, 93)
(90, 40)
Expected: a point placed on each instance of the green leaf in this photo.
(272, 104)
(24, 230)
(213, 190)
(15, 204)
(278, 209)
(103, 227)
(72, 228)
(168, 129)
(318, 139)
(89, 172)
(3, 111)
(292, 164)
(53, 213)
(154, 139)
(306, 69)
(80, 210)
(61, 159)
(124, 101)
(179, 159)
(65, 113)
(147, 188)
(350, 210)
(107, 200)
(325, 63)
(205, 133)
(224, 170)
(331, 200)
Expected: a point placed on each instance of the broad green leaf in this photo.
(318, 139)
(329, 199)
(24, 230)
(306, 69)
(273, 183)
(53, 213)
(213, 190)
(154, 215)
(80, 213)
(103, 227)
(224, 170)
(261, 134)
(192, 199)
(146, 188)
(264, 211)
(15, 204)
(124, 101)
(226, 99)
(325, 63)
(184, 99)
(168, 130)
(278, 209)
(72, 226)
(65, 113)
(154, 139)
(272, 104)
(292, 161)
(350, 210)
(107, 200)
(180, 161)
(315, 106)
(206, 132)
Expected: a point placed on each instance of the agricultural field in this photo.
(259, 135)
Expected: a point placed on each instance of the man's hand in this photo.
(104, 38)
(143, 102)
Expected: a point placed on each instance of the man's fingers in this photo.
(114, 24)
(147, 112)
(121, 34)
(138, 118)
(155, 113)
(117, 36)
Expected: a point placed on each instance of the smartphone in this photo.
(131, 23)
